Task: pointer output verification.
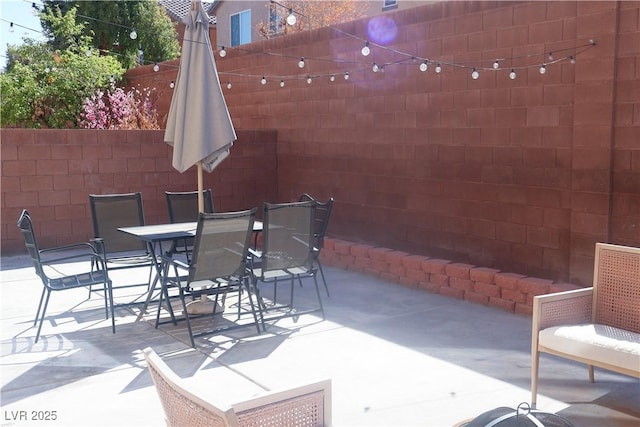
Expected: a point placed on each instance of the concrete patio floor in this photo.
(396, 357)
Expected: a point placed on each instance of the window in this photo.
(241, 28)
(277, 21)
(389, 4)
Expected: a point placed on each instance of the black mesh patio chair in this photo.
(183, 207)
(320, 224)
(218, 267)
(287, 253)
(47, 263)
(121, 251)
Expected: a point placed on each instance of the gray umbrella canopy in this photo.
(198, 125)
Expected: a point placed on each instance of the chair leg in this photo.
(109, 290)
(35, 321)
(326, 288)
(245, 283)
(186, 316)
(315, 281)
(535, 362)
(254, 288)
(44, 310)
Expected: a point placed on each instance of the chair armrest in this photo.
(89, 252)
(309, 402)
(560, 308)
(167, 259)
(255, 253)
(86, 246)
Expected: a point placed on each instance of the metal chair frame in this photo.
(218, 266)
(96, 275)
(120, 251)
(287, 252)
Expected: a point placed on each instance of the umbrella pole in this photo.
(200, 195)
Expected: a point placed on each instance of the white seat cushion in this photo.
(595, 342)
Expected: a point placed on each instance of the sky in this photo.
(18, 12)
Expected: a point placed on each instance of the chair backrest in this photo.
(26, 227)
(616, 286)
(183, 205)
(111, 211)
(182, 407)
(221, 245)
(288, 235)
(321, 221)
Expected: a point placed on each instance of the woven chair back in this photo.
(616, 283)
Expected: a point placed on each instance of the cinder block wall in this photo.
(52, 172)
(521, 175)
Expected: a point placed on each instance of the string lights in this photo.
(495, 65)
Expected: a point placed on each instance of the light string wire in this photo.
(408, 59)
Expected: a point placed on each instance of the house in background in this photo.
(178, 9)
(235, 23)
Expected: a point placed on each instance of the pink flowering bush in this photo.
(119, 109)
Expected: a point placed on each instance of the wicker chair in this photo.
(600, 325)
(306, 405)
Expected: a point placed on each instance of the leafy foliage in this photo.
(45, 87)
(310, 15)
(112, 23)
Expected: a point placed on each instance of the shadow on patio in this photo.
(396, 356)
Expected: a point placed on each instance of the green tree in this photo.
(110, 24)
(46, 87)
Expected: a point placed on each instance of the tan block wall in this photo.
(52, 172)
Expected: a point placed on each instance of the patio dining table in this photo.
(156, 235)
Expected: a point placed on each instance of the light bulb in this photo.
(172, 84)
(550, 56)
(46, 70)
(512, 74)
(438, 68)
(156, 67)
(223, 52)
(424, 66)
(572, 59)
(474, 74)
(301, 63)
(281, 83)
(263, 81)
(543, 69)
(375, 68)
(308, 80)
(365, 50)
(88, 53)
(496, 65)
(112, 79)
(291, 19)
(133, 34)
(34, 9)
(332, 78)
(346, 75)
(11, 29)
(228, 85)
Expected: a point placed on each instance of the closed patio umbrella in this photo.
(198, 124)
